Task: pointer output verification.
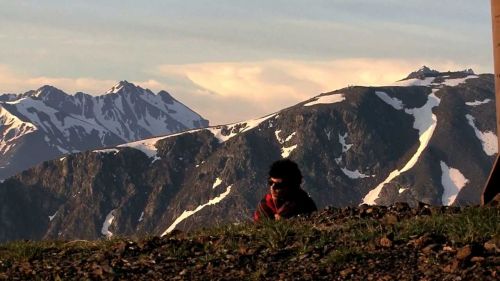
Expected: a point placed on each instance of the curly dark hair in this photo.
(287, 170)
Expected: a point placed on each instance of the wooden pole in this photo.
(493, 184)
(495, 15)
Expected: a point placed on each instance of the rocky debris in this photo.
(365, 243)
(492, 246)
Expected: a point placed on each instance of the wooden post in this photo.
(493, 184)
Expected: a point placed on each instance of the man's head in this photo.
(284, 176)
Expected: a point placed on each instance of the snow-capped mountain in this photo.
(44, 124)
(430, 139)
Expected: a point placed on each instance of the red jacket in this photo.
(295, 204)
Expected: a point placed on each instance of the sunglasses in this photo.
(276, 185)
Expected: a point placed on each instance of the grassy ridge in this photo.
(346, 243)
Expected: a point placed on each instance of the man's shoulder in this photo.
(266, 199)
(302, 194)
(304, 198)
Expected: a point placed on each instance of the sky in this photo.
(233, 60)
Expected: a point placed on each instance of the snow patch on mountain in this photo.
(155, 126)
(425, 122)
(52, 121)
(217, 182)
(109, 150)
(14, 127)
(116, 88)
(285, 151)
(335, 98)
(186, 214)
(429, 81)
(342, 140)
(11, 129)
(53, 216)
(277, 134)
(177, 110)
(148, 146)
(237, 128)
(107, 223)
(290, 136)
(282, 141)
(453, 181)
(328, 135)
(354, 174)
(394, 102)
(457, 81)
(477, 103)
(111, 122)
(488, 139)
(217, 132)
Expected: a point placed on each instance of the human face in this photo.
(277, 187)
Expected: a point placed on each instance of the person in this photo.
(285, 198)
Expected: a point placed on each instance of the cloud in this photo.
(13, 82)
(268, 86)
(225, 92)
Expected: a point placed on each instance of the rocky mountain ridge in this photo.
(420, 140)
(46, 123)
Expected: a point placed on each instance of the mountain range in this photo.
(46, 123)
(427, 138)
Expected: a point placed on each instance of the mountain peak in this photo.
(423, 72)
(123, 85)
(47, 91)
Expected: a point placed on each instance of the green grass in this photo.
(343, 240)
(343, 255)
(26, 250)
(472, 224)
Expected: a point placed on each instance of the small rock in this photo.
(448, 249)
(97, 270)
(303, 256)
(427, 239)
(464, 252)
(346, 272)
(477, 259)
(452, 267)
(491, 246)
(385, 242)
(430, 248)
